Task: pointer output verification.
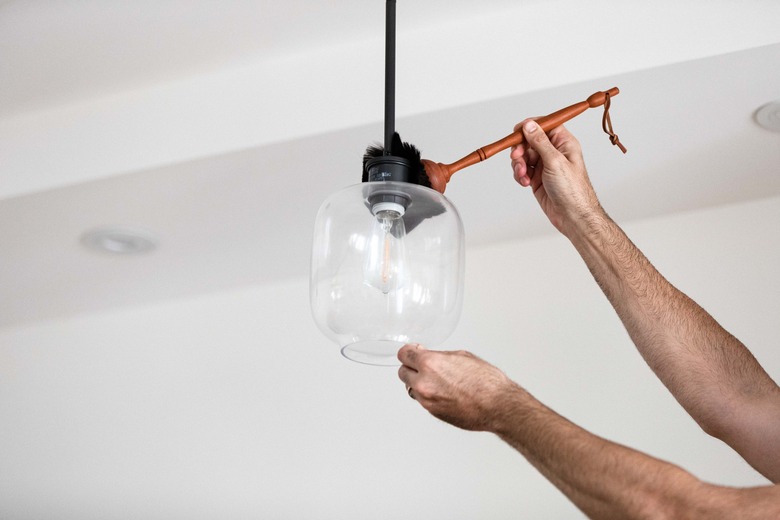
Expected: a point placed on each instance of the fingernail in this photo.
(531, 126)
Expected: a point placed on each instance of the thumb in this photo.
(539, 141)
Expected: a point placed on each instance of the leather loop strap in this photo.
(606, 125)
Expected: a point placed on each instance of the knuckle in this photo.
(424, 391)
(554, 162)
(427, 363)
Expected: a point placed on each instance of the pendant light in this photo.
(388, 256)
(388, 253)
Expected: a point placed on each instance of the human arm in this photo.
(711, 373)
(602, 478)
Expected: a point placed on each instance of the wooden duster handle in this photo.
(440, 174)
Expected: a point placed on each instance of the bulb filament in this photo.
(385, 262)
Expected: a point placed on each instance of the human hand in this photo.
(457, 387)
(554, 169)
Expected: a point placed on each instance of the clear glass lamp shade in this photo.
(387, 269)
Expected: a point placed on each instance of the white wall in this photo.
(234, 406)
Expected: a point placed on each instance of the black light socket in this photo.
(389, 168)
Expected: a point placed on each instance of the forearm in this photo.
(708, 371)
(670, 330)
(607, 480)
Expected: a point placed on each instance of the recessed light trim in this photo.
(768, 116)
(118, 241)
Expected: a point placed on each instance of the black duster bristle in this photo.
(403, 150)
(422, 208)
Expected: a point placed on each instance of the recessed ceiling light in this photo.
(118, 241)
(768, 116)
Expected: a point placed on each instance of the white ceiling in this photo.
(208, 124)
(219, 127)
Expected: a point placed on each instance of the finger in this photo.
(518, 160)
(518, 151)
(520, 172)
(539, 141)
(409, 376)
(530, 173)
(519, 154)
(409, 355)
(519, 126)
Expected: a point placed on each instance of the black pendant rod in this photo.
(389, 75)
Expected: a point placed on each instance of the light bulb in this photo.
(385, 265)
